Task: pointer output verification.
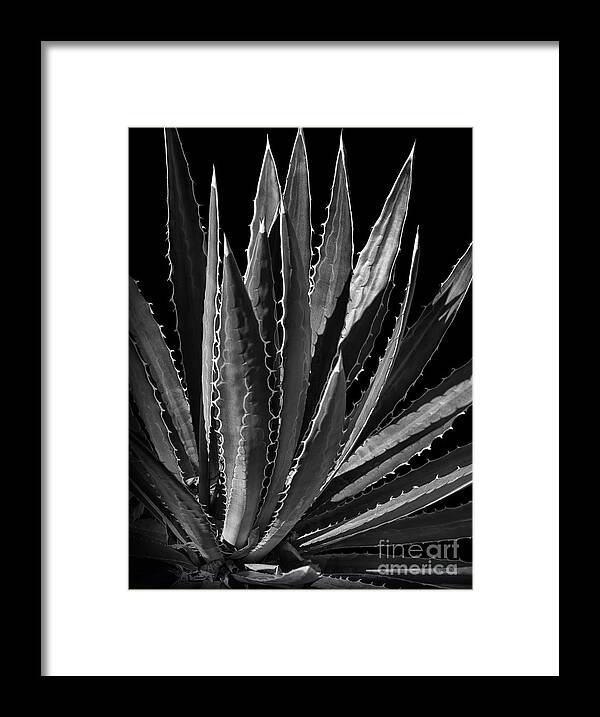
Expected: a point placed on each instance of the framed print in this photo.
(295, 420)
(291, 329)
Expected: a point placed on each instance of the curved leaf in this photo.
(394, 555)
(188, 268)
(210, 315)
(151, 345)
(261, 290)
(369, 399)
(405, 358)
(309, 472)
(422, 340)
(335, 253)
(329, 295)
(295, 366)
(400, 497)
(296, 197)
(325, 353)
(445, 524)
(172, 499)
(243, 405)
(359, 344)
(395, 459)
(375, 323)
(266, 206)
(372, 274)
(210, 350)
(426, 571)
(151, 413)
(413, 432)
(299, 577)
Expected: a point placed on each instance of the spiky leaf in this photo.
(173, 500)
(406, 356)
(296, 197)
(370, 397)
(335, 253)
(414, 431)
(309, 472)
(243, 405)
(325, 353)
(421, 341)
(295, 365)
(148, 405)
(299, 577)
(261, 290)
(266, 207)
(372, 274)
(439, 572)
(396, 499)
(188, 268)
(445, 524)
(209, 317)
(329, 294)
(150, 343)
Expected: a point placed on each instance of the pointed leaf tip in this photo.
(416, 244)
(301, 140)
(242, 402)
(339, 364)
(372, 277)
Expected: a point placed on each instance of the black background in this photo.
(440, 205)
(441, 200)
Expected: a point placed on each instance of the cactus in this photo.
(254, 461)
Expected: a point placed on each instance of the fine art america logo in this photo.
(415, 559)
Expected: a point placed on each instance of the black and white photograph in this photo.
(300, 322)
(293, 424)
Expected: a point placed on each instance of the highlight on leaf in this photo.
(250, 465)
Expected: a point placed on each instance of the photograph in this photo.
(300, 376)
(300, 331)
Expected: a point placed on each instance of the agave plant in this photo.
(251, 464)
